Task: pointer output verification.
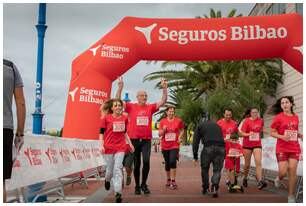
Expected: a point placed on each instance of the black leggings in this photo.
(144, 147)
(8, 137)
(170, 157)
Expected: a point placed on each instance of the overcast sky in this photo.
(72, 28)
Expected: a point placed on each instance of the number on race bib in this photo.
(142, 121)
(254, 137)
(292, 134)
(233, 152)
(118, 127)
(170, 137)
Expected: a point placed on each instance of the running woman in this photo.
(251, 131)
(114, 138)
(171, 130)
(284, 128)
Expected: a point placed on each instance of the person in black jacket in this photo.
(210, 134)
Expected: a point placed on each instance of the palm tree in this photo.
(214, 14)
(205, 76)
(214, 78)
(189, 111)
(239, 98)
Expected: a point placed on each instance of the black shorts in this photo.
(128, 160)
(252, 148)
(8, 136)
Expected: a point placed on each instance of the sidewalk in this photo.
(189, 187)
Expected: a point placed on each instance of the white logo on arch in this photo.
(94, 50)
(146, 31)
(72, 93)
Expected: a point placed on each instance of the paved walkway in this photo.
(189, 188)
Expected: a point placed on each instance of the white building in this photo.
(292, 80)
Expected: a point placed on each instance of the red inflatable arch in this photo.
(135, 39)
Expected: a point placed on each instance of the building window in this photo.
(275, 8)
(269, 10)
(299, 9)
(278, 8)
(282, 8)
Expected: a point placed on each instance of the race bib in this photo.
(234, 152)
(118, 127)
(227, 136)
(254, 137)
(170, 137)
(292, 134)
(142, 121)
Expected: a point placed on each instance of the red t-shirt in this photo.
(228, 127)
(170, 140)
(114, 134)
(287, 124)
(140, 121)
(254, 126)
(233, 148)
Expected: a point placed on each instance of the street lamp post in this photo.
(41, 28)
(38, 115)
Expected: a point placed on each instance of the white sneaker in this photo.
(277, 182)
(291, 199)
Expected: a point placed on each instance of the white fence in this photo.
(44, 158)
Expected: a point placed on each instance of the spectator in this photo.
(210, 133)
(12, 86)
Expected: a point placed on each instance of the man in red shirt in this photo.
(140, 131)
(228, 126)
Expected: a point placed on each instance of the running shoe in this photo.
(137, 190)
(277, 182)
(245, 182)
(145, 189)
(261, 184)
(107, 185)
(173, 186)
(168, 183)
(214, 191)
(291, 199)
(118, 197)
(205, 191)
(228, 183)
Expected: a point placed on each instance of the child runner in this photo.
(232, 148)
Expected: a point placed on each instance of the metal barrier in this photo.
(57, 185)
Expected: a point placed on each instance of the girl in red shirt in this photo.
(251, 130)
(285, 129)
(114, 141)
(171, 130)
